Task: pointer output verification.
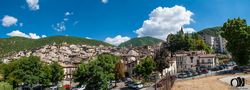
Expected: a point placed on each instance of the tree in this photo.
(92, 76)
(2, 74)
(119, 71)
(107, 62)
(186, 42)
(97, 74)
(161, 59)
(45, 75)
(237, 34)
(57, 73)
(27, 70)
(80, 75)
(146, 67)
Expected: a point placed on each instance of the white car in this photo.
(182, 75)
(80, 88)
(135, 85)
(138, 85)
(53, 88)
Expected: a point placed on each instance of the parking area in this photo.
(219, 70)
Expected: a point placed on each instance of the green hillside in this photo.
(141, 42)
(214, 31)
(15, 44)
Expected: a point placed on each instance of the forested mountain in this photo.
(141, 41)
(15, 44)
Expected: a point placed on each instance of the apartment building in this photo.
(218, 43)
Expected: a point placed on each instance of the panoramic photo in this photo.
(124, 45)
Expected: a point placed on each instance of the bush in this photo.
(5, 86)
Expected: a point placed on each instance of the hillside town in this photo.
(124, 45)
(69, 56)
(182, 64)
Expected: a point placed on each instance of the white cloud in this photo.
(33, 4)
(117, 40)
(88, 38)
(21, 34)
(17, 33)
(164, 20)
(59, 26)
(189, 30)
(7, 21)
(33, 36)
(69, 13)
(105, 1)
(44, 36)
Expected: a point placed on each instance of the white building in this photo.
(172, 70)
(218, 44)
(194, 59)
(207, 60)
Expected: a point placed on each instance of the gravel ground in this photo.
(204, 83)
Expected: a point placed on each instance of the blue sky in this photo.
(114, 21)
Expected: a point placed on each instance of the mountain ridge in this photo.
(15, 44)
(141, 41)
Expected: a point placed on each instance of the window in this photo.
(209, 61)
(192, 60)
(202, 61)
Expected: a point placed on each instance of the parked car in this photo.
(204, 71)
(194, 73)
(128, 80)
(67, 86)
(226, 66)
(220, 67)
(135, 85)
(80, 88)
(138, 85)
(129, 83)
(182, 75)
(189, 74)
(199, 72)
(241, 68)
(215, 69)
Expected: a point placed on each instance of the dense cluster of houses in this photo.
(69, 56)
